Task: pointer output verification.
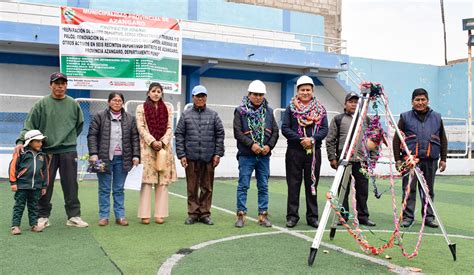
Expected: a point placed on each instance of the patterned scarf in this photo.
(255, 119)
(156, 118)
(313, 113)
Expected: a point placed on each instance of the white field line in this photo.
(167, 266)
(390, 231)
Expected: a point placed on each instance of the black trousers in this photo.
(298, 166)
(200, 182)
(362, 193)
(428, 167)
(27, 197)
(67, 165)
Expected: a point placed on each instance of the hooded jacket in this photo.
(29, 170)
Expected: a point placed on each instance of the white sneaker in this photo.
(76, 222)
(43, 222)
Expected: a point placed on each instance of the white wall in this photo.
(25, 79)
(231, 91)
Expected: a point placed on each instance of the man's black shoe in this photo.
(206, 220)
(407, 223)
(290, 223)
(190, 220)
(431, 224)
(367, 223)
(314, 224)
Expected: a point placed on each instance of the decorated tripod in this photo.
(371, 92)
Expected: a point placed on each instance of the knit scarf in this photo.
(313, 113)
(156, 118)
(255, 119)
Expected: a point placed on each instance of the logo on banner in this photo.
(69, 15)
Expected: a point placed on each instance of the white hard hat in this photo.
(257, 87)
(304, 80)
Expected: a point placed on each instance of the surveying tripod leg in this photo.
(325, 216)
(342, 191)
(452, 246)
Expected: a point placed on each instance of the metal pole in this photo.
(346, 155)
(469, 98)
(452, 246)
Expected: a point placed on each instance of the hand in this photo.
(156, 145)
(14, 188)
(256, 149)
(184, 162)
(333, 163)
(265, 150)
(215, 160)
(306, 142)
(135, 162)
(18, 149)
(93, 158)
(442, 165)
(43, 192)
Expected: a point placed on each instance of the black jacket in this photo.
(243, 136)
(199, 135)
(98, 138)
(29, 170)
(289, 129)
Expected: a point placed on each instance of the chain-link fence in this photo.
(131, 107)
(14, 110)
(226, 114)
(280, 148)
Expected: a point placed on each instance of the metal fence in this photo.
(14, 110)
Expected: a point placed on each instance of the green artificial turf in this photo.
(141, 249)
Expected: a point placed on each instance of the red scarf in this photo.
(156, 118)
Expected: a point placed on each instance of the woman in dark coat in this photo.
(113, 139)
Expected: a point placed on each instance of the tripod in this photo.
(344, 169)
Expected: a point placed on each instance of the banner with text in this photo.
(105, 50)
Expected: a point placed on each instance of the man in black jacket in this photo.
(199, 146)
(305, 125)
(256, 132)
(338, 132)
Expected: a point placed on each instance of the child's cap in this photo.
(33, 135)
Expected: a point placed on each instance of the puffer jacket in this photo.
(98, 138)
(199, 135)
(29, 170)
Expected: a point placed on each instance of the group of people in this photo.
(119, 141)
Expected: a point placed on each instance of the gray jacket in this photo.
(98, 138)
(199, 135)
(335, 143)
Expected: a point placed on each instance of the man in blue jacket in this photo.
(199, 146)
(426, 139)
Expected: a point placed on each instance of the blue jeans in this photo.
(116, 177)
(261, 165)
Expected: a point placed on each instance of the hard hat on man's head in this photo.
(257, 87)
(304, 80)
